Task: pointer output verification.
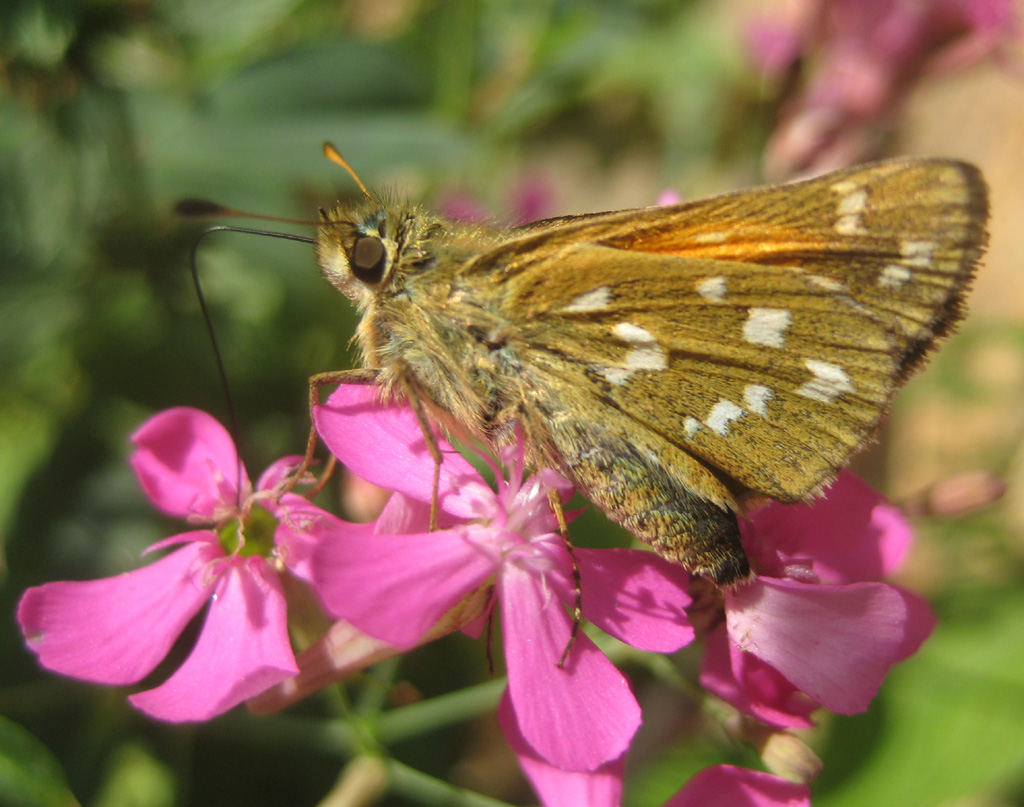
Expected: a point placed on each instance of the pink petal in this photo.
(461, 206)
(404, 516)
(187, 463)
(242, 650)
(383, 443)
(530, 200)
(834, 643)
(363, 501)
(919, 625)
(636, 597)
(302, 526)
(892, 532)
(773, 45)
(396, 587)
(278, 472)
(578, 717)
(598, 788)
(116, 630)
(990, 15)
(852, 534)
(750, 685)
(340, 652)
(668, 197)
(728, 786)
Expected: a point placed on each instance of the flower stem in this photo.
(429, 715)
(347, 737)
(426, 789)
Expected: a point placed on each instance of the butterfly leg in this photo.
(577, 611)
(416, 402)
(315, 383)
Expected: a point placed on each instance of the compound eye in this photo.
(368, 259)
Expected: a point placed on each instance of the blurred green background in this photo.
(111, 110)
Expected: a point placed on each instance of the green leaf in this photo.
(256, 163)
(136, 779)
(27, 433)
(30, 776)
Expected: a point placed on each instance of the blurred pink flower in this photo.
(396, 584)
(116, 630)
(529, 200)
(729, 786)
(669, 197)
(858, 60)
(812, 629)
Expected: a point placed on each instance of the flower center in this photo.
(252, 536)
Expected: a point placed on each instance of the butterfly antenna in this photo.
(205, 209)
(332, 154)
(199, 207)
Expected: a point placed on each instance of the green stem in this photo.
(427, 790)
(334, 737)
(430, 715)
(348, 737)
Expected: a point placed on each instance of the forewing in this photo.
(766, 332)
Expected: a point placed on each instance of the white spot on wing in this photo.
(634, 334)
(647, 358)
(829, 382)
(646, 354)
(850, 225)
(845, 187)
(710, 237)
(616, 375)
(595, 300)
(893, 276)
(721, 415)
(917, 253)
(692, 426)
(767, 326)
(853, 201)
(826, 283)
(756, 397)
(712, 288)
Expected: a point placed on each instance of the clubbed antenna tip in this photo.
(332, 154)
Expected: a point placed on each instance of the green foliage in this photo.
(30, 776)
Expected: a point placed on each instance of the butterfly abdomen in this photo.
(661, 495)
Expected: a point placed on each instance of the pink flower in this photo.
(728, 786)
(669, 197)
(528, 200)
(861, 58)
(601, 787)
(812, 629)
(395, 585)
(116, 630)
(717, 786)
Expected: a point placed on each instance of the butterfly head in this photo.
(361, 247)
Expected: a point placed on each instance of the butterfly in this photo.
(677, 363)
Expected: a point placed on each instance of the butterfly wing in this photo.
(764, 333)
